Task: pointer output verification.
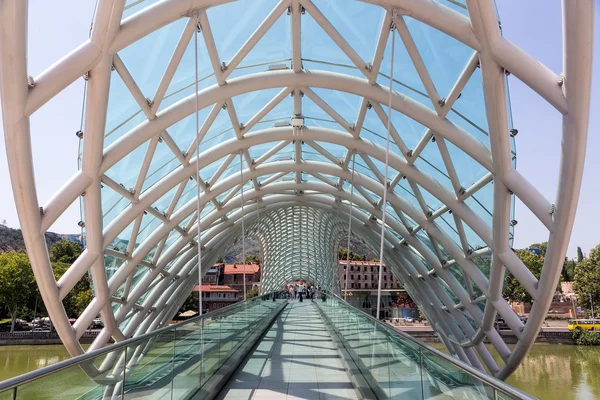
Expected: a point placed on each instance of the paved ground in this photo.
(296, 360)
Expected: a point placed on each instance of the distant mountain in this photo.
(359, 246)
(12, 239)
(234, 254)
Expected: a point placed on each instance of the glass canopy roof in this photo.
(150, 187)
(262, 117)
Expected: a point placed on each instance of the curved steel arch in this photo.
(425, 254)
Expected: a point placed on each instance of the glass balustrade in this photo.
(396, 366)
(174, 362)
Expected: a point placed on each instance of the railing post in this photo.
(173, 361)
(124, 374)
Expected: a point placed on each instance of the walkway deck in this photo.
(297, 359)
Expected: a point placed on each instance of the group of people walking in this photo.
(301, 292)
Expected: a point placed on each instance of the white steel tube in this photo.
(387, 161)
(243, 232)
(197, 171)
(349, 228)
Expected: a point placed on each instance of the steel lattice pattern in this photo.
(325, 63)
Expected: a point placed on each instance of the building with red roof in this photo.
(217, 296)
(233, 276)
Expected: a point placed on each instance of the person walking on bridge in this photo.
(301, 292)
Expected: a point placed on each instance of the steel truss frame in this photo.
(321, 206)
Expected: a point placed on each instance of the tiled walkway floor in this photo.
(296, 360)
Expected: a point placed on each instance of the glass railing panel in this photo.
(405, 370)
(440, 377)
(74, 383)
(172, 363)
(150, 367)
(396, 366)
(186, 350)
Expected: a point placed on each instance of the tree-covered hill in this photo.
(357, 246)
(12, 239)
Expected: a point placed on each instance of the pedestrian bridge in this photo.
(266, 348)
(300, 123)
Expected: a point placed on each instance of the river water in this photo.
(550, 371)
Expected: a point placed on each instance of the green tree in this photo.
(579, 255)
(252, 293)
(62, 255)
(343, 255)
(587, 278)
(514, 291)
(16, 283)
(252, 259)
(81, 294)
(191, 303)
(542, 247)
(65, 252)
(568, 271)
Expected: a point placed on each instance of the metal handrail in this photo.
(485, 378)
(40, 373)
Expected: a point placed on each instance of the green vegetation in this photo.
(16, 283)
(12, 239)
(19, 294)
(252, 293)
(343, 255)
(65, 252)
(583, 337)
(191, 303)
(252, 259)
(587, 279)
(513, 290)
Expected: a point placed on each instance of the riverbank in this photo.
(29, 338)
(548, 335)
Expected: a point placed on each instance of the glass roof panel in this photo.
(274, 47)
(482, 202)
(444, 56)
(157, 47)
(127, 170)
(467, 169)
(232, 23)
(364, 39)
(123, 113)
(248, 104)
(404, 70)
(447, 224)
